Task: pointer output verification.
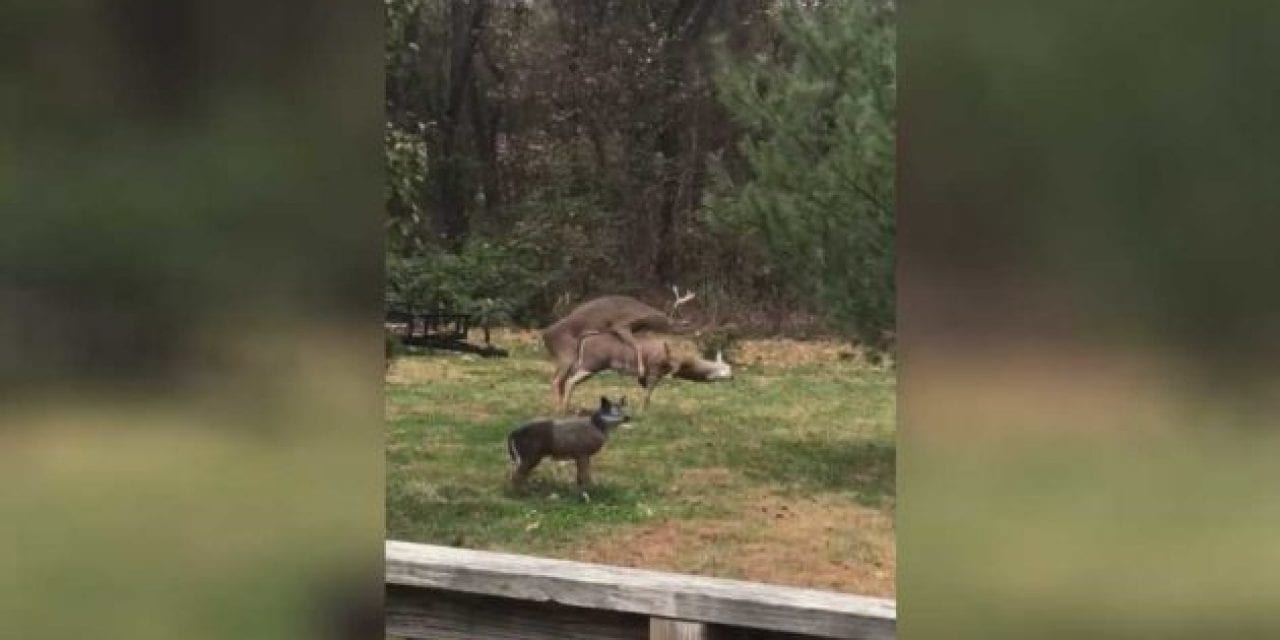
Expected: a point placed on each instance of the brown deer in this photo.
(620, 316)
(605, 351)
(576, 439)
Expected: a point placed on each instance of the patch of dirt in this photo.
(822, 543)
(417, 370)
(785, 352)
(702, 479)
(511, 337)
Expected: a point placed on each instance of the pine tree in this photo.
(819, 151)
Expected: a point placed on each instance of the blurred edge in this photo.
(190, 195)
(1088, 320)
(190, 264)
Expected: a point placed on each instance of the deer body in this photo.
(576, 439)
(604, 351)
(618, 316)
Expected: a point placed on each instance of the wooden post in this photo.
(664, 629)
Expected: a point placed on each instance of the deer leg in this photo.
(521, 473)
(569, 384)
(557, 384)
(584, 471)
(624, 333)
(649, 385)
(582, 345)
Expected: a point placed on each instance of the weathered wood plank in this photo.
(443, 615)
(725, 632)
(663, 629)
(650, 593)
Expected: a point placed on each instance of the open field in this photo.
(784, 474)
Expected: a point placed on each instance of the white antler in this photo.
(680, 299)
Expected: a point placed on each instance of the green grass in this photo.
(805, 430)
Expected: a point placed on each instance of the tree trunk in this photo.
(684, 28)
(484, 123)
(665, 233)
(451, 223)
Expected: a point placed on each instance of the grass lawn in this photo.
(784, 474)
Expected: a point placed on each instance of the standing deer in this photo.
(603, 351)
(619, 316)
(576, 439)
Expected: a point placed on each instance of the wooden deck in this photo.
(447, 593)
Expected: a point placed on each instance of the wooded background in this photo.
(542, 152)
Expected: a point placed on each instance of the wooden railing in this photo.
(447, 593)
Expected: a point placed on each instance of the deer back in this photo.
(600, 314)
(611, 311)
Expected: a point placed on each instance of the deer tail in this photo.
(512, 452)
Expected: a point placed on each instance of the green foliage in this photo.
(410, 85)
(393, 347)
(588, 141)
(819, 193)
(406, 173)
(496, 282)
